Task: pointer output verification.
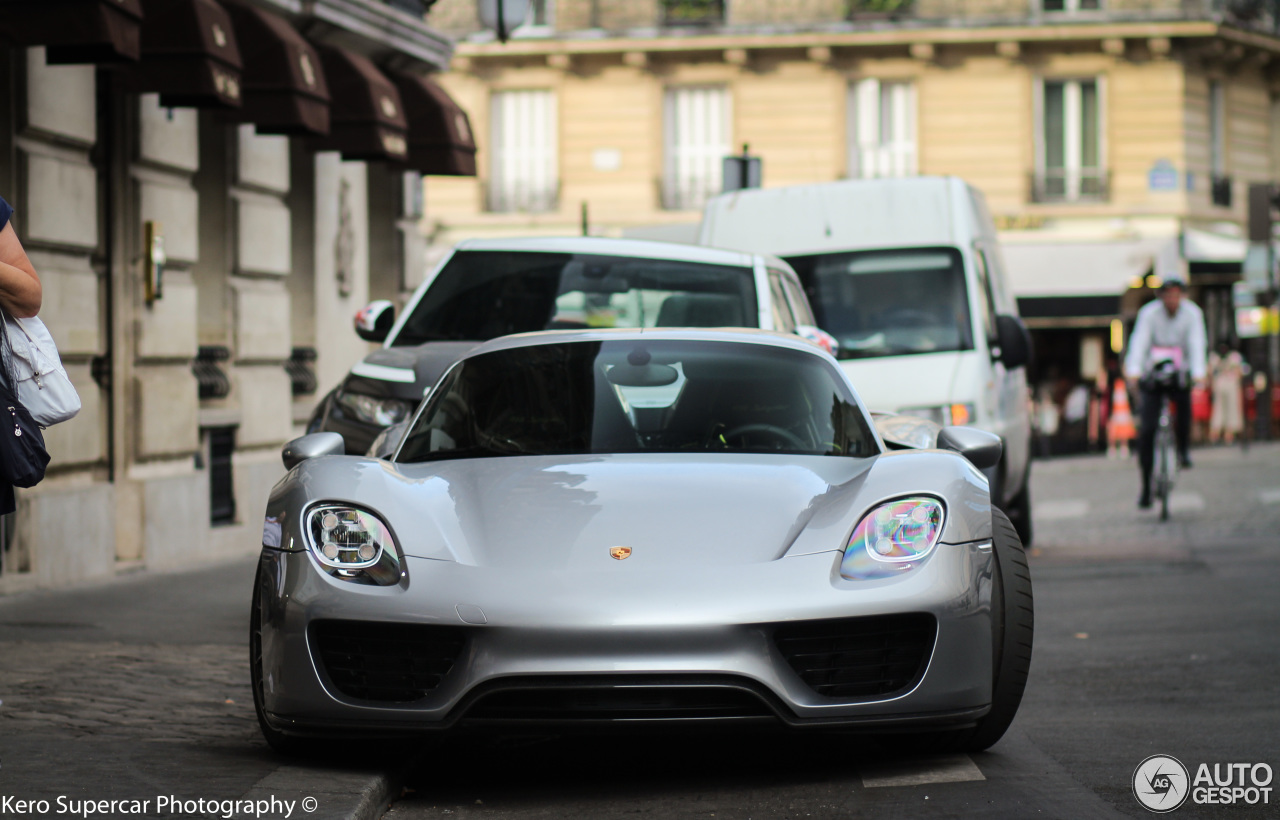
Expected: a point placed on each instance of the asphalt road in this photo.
(1152, 638)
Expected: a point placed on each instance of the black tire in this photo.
(1012, 626)
(282, 743)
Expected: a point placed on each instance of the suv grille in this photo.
(859, 657)
(386, 662)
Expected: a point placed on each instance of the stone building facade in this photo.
(267, 244)
(1114, 139)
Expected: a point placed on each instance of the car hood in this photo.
(544, 513)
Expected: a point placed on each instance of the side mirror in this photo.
(819, 337)
(373, 322)
(1014, 340)
(979, 446)
(312, 446)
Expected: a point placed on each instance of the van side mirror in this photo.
(983, 449)
(1014, 340)
(312, 446)
(373, 322)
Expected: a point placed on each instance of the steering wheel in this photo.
(779, 435)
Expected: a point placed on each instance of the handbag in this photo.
(39, 380)
(23, 457)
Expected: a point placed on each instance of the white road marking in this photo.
(1060, 509)
(1270, 496)
(919, 771)
(1186, 502)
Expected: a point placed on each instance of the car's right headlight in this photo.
(893, 538)
(353, 544)
(381, 411)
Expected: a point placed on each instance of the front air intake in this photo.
(398, 663)
(859, 658)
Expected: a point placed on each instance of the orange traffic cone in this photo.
(1120, 428)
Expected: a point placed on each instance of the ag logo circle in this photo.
(1161, 783)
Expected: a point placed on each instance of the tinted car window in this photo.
(889, 303)
(481, 295)
(578, 398)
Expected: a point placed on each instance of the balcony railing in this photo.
(686, 193)
(1071, 185)
(692, 12)
(878, 9)
(522, 197)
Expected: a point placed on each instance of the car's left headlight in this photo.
(893, 538)
(352, 544)
(382, 411)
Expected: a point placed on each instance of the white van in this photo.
(907, 275)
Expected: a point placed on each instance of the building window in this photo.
(524, 167)
(882, 129)
(696, 141)
(1071, 5)
(222, 495)
(1070, 156)
(692, 12)
(539, 21)
(1220, 182)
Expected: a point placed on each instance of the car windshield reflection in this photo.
(639, 396)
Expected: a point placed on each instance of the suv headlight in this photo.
(893, 538)
(383, 412)
(945, 415)
(353, 544)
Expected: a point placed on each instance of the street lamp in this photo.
(503, 15)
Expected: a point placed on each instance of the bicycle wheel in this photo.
(1164, 470)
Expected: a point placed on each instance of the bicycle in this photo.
(1164, 473)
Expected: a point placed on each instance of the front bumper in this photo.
(641, 649)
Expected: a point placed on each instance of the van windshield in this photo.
(889, 303)
(481, 295)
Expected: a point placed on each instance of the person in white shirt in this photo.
(1170, 328)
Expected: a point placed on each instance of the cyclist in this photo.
(1169, 334)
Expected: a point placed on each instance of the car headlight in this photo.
(946, 414)
(383, 412)
(352, 544)
(893, 538)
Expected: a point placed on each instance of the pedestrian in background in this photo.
(20, 296)
(1226, 376)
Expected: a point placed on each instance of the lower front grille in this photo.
(398, 663)
(855, 658)
(631, 698)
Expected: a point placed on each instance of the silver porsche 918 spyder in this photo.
(595, 528)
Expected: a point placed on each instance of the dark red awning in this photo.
(283, 88)
(189, 54)
(440, 137)
(367, 118)
(76, 31)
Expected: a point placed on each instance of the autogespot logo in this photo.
(1161, 783)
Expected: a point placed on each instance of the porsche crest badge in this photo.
(621, 553)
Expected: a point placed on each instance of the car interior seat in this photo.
(701, 310)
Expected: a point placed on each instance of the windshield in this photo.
(481, 295)
(889, 303)
(661, 396)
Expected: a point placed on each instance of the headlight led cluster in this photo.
(352, 543)
(892, 538)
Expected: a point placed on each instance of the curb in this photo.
(336, 794)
